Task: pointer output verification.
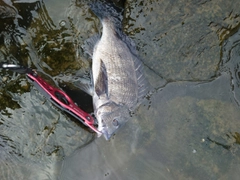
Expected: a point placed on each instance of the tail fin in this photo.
(105, 9)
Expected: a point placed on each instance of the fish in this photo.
(119, 84)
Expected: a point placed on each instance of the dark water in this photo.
(188, 127)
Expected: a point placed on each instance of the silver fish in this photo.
(119, 83)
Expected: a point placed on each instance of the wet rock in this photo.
(196, 132)
(180, 40)
(183, 131)
(230, 62)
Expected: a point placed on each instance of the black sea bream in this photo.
(119, 83)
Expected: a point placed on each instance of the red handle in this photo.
(62, 99)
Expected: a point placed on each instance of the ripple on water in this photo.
(36, 137)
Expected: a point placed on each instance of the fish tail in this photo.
(104, 9)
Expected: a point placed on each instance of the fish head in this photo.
(110, 118)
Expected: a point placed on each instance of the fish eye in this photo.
(103, 123)
(115, 122)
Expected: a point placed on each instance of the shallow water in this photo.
(188, 127)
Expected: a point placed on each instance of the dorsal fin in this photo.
(142, 82)
(101, 83)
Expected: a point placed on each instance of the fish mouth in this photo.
(106, 135)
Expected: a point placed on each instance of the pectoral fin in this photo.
(101, 83)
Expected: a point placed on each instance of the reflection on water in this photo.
(184, 130)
